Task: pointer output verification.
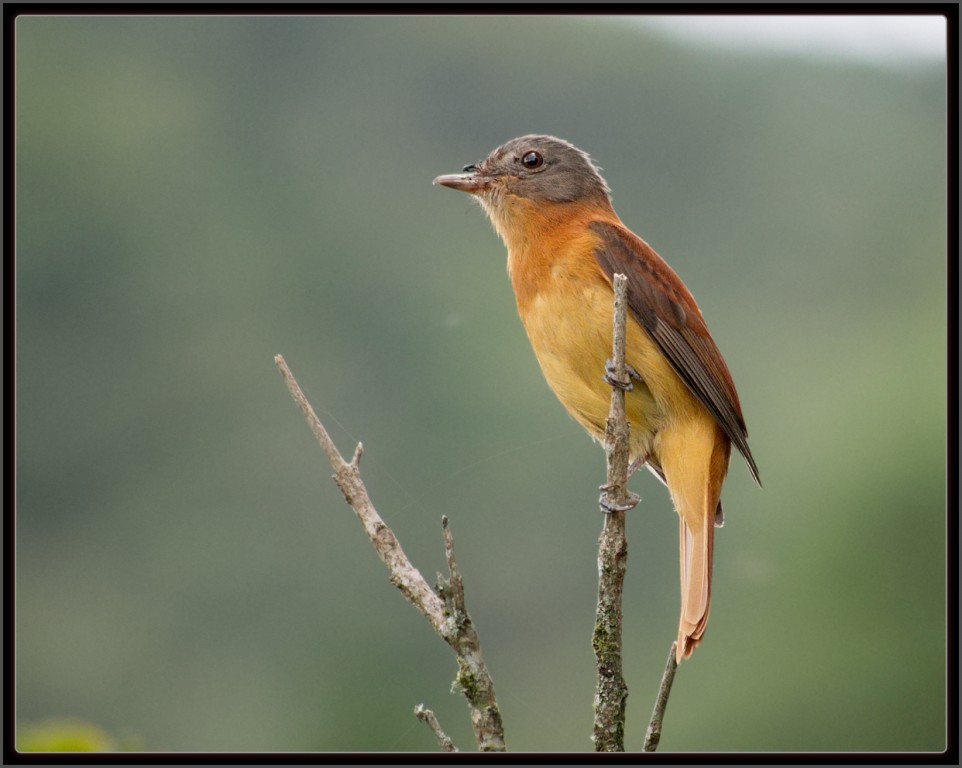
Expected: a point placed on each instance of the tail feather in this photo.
(696, 564)
(694, 457)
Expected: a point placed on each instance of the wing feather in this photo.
(664, 307)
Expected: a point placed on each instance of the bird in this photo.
(550, 205)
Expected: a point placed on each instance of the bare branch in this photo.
(427, 717)
(611, 691)
(473, 679)
(330, 450)
(403, 575)
(449, 617)
(653, 735)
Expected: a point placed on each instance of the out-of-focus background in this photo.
(195, 195)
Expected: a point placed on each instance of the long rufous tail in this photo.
(694, 457)
(696, 543)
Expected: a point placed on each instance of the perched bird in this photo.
(551, 207)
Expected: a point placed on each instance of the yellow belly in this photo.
(569, 326)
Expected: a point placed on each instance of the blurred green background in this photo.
(195, 195)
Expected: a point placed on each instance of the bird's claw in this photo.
(608, 505)
(622, 384)
(637, 464)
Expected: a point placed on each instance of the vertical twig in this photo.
(653, 735)
(611, 691)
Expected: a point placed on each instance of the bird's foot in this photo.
(622, 384)
(608, 505)
(637, 464)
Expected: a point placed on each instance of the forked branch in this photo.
(444, 609)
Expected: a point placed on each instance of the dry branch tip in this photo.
(428, 717)
(653, 734)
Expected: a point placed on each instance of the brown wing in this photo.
(664, 307)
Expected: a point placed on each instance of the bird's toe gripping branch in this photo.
(624, 385)
(607, 504)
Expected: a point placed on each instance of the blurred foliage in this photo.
(197, 194)
(67, 736)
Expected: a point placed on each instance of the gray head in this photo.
(537, 168)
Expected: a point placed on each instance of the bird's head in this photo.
(530, 173)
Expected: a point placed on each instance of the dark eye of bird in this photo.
(532, 160)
